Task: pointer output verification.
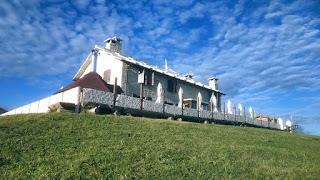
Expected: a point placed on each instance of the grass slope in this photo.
(81, 145)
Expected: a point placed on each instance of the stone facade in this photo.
(190, 91)
(96, 96)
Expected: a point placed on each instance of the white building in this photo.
(106, 63)
(109, 63)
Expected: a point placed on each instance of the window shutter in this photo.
(107, 75)
(177, 86)
(170, 85)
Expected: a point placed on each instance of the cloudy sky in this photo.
(265, 53)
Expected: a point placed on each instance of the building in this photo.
(109, 82)
(131, 74)
(266, 118)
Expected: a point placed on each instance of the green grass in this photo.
(94, 146)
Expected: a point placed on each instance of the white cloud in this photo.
(197, 11)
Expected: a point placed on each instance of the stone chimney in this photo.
(213, 83)
(113, 44)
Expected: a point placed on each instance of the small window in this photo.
(194, 104)
(177, 86)
(204, 106)
(107, 75)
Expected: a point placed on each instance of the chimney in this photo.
(213, 83)
(94, 55)
(113, 44)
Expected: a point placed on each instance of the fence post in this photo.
(182, 105)
(198, 109)
(224, 110)
(78, 102)
(38, 106)
(162, 99)
(235, 112)
(244, 114)
(115, 88)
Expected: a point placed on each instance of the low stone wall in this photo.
(123, 101)
(172, 110)
(190, 112)
(96, 96)
(230, 117)
(265, 123)
(257, 122)
(276, 126)
(128, 102)
(205, 114)
(249, 120)
(152, 106)
(218, 116)
(240, 119)
(271, 125)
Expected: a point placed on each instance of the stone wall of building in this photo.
(190, 91)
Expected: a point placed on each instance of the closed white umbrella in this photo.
(281, 123)
(214, 103)
(229, 107)
(180, 98)
(289, 123)
(240, 109)
(200, 100)
(251, 112)
(159, 93)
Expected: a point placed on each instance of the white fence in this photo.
(134, 104)
(42, 106)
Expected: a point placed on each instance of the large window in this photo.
(170, 85)
(173, 85)
(149, 78)
(146, 77)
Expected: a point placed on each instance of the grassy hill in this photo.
(80, 145)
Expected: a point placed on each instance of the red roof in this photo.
(91, 80)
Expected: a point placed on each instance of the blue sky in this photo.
(265, 53)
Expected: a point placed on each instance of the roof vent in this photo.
(113, 44)
(189, 75)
